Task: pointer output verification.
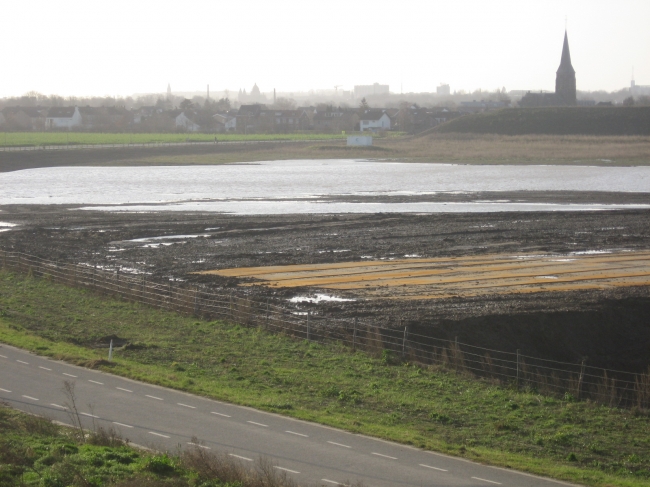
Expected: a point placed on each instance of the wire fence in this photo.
(577, 381)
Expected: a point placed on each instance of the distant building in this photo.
(565, 85)
(443, 89)
(374, 120)
(63, 118)
(225, 122)
(335, 121)
(183, 122)
(282, 121)
(639, 90)
(24, 118)
(366, 90)
(255, 96)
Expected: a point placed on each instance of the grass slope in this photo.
(554, 121)
(11, 139)
(427, 407)
(36, 452)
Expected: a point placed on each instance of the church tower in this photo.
(565, 78)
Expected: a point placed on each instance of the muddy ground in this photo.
(610, 327)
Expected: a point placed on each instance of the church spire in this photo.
(565, 63)
(565, 78)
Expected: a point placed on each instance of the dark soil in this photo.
(610, 327)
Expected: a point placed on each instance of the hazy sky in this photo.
(87, 47)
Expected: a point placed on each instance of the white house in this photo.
(182, 121)
(374, 120)
(62, 118)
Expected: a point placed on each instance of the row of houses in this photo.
(254, 118)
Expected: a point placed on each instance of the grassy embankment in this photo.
(427, 407)
(554, 121)
(36, 452)
(31, 139)
(443, 148)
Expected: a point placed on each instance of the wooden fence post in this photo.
(404, 343)
(308, 314)
(354, 336)
(196, 301)
(517, 368)
(582, 374)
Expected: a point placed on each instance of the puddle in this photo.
(157, 245)
(412, 256)
(167, 237)
(545, 277)
(6, 226)
(318, 298)
(592, 252)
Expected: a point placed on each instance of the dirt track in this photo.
(608, 324)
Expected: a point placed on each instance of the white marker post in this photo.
(110, 351)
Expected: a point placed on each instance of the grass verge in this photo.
(36, 452)
(427, 407)
(31, 139)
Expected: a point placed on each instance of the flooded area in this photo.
(322, 186)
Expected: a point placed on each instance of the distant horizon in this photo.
(282, 93)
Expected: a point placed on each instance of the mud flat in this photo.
(604, 317)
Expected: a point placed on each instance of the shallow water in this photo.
(273, 187)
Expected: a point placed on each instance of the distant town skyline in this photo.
(412, 46)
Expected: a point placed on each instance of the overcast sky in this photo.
(87, 47)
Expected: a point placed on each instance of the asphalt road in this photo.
(164, 419)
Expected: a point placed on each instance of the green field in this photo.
(31, 139)
(428, 407)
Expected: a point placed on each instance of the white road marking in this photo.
(286, 469)
(4, 390)
(258, 424)
(122, 424)
(121, 389)
(433, 468)
(241, 458)
(220, 414)
(385, 456)
(44, 368)
(332, 482)
(70, 375)
(57, 406)
(20, 361)
(158, 434)
(30, 397)
(95, 382)
(185, 405)
(339, 444)
(486, 480)
(294, 433)
(200, 446)
(90, 415)
(4, 356)
(154, 397)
